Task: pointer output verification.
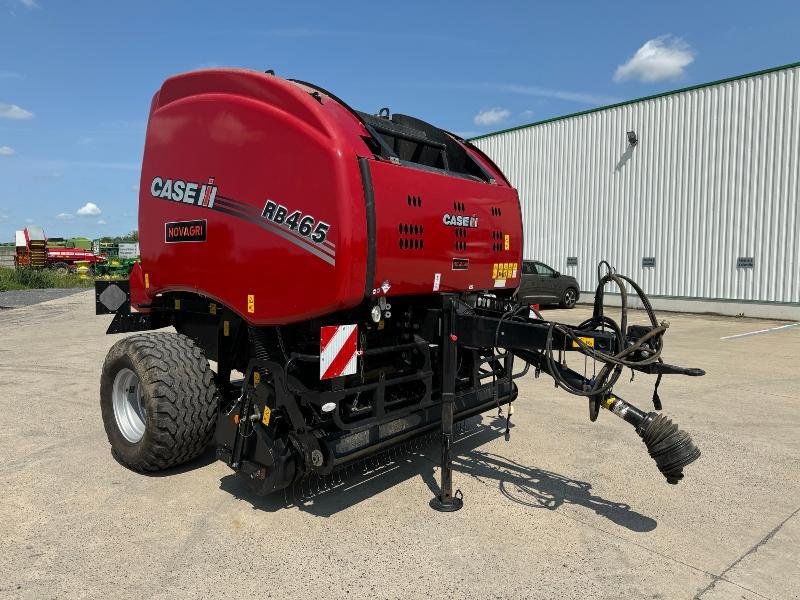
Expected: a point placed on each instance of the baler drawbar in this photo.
(354, 279)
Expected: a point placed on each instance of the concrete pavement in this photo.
(566, 509)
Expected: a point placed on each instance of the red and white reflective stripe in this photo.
(338, 350)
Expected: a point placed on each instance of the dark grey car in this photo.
(541, 284)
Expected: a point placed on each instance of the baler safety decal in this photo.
(338, 350)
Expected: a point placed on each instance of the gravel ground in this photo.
(17, 298)
(566, 509)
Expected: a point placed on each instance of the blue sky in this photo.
(76, 77)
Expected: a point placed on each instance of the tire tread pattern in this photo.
(180, 394)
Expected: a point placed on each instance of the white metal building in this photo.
(702, 210)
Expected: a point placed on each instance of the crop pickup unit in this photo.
(361, 272)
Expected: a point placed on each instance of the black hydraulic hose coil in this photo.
(668, 445)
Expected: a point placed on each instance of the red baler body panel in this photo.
(252, 194)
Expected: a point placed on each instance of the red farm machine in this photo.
(33, 251)
(359, 271)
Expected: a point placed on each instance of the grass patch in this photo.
(38, 279)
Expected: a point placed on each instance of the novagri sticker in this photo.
(251, 303)
(507, 242)
(338, 350)
(146, 280)
(185, 231)
(460, 264)
(437, 280)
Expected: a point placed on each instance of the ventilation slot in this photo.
(498, 240)
(415, 201)
(461, 234)
(410, 237)
(459, 207)
(496, 212)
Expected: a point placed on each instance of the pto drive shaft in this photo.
(671, 447)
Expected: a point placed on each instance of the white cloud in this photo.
(7, 151)
(529, 90)
(101, 222)
(64, 216)
(12, 111)
(29, 221)
(9, 75)
(49, 175)
(3, 218)
(664, 57)
(491, 116)
(526, 114)
(90, 209)
(29, 3)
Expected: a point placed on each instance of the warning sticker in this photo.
(586, 340)
(437, 279)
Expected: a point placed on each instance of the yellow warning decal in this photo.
(146, 280)
(266, 416)
(226, 328)
(586, 340)
(251, 303)
(212, 308)
(256, 378)
(507, 242)
(504, 270)
(177, 303)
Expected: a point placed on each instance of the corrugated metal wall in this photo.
(713, 177)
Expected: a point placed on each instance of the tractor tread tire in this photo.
(179, 395)
(61, 266)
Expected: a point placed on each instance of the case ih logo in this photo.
(185, 231)
(460, 220)
(190, 192)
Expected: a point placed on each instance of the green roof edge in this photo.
(642, 99)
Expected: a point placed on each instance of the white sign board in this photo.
(129, 250)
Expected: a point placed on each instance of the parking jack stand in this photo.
(445, 501)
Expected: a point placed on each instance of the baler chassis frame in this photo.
(483, 326)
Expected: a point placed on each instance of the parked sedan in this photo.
(541, 284)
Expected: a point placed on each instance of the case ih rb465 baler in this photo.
(359, 270)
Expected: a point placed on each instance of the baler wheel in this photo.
(158, 400)
(61, 268)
